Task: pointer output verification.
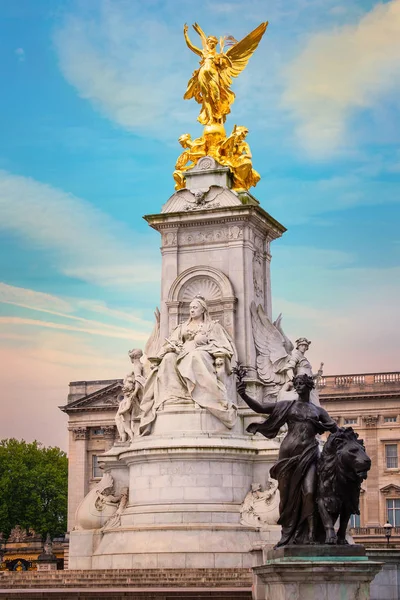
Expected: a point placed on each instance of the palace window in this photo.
(393, 511)
(352, 421)
(97, 473)
(390, 419)
(98, 431)
(391, 456)
(355, 521)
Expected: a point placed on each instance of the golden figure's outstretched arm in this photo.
(189, 44)
(240, 53)
(201, 33)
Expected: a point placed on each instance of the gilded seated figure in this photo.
(234, 152)
(188, 369)
(193, 150)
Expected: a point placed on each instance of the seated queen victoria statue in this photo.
(188, 369)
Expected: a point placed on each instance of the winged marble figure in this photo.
(278, 360)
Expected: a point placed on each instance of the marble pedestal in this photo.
(315, 573)
(187, 482)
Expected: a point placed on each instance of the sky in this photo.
(91, 107)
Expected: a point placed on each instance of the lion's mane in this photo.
(338, 486)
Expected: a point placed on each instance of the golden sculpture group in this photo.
(210, 87)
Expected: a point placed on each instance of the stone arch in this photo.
(209, 282)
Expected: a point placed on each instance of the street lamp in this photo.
(388, 531)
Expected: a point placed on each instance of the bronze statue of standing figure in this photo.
(296, 469)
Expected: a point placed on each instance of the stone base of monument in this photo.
(187, 482)
(320, 572)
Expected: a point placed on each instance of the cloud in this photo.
(20, 54)
(27, 298)
(127, 63)
(35, 377)
(102, 308)
(131, 62)
(341, 71)
(53, 305)
(347, 311)
(300, 201)
(87, 243)
(103, 330)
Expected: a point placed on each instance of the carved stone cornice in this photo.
(80, 433)
(103, 399)
(109, 431)
(391, 490)
(371, 420)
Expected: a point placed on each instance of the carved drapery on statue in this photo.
(193, 366)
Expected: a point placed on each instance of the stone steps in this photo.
(132, 594)
(122, 578)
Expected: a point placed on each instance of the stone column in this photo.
(372, 483)
(77, 471)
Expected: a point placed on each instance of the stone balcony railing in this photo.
(359, 382)
(374, 531)
(375, 537)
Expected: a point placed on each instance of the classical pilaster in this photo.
(77, 471)
(371, 519)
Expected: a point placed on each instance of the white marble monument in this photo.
(186, 458)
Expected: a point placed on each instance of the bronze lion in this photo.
(342, 466)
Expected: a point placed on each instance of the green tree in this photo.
(33, 487)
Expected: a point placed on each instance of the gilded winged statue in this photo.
(278, 360)
(210, 84)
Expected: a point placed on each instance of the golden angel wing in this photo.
(240, 53)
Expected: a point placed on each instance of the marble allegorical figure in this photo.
(260, 507)
(193, 365)
(296, 469)
(129, 407)
(102, 506)
(278, 360)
